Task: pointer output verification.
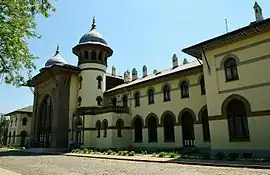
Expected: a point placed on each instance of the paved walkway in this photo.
(33, 164)
(7, 172)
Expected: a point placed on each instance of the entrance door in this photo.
(187, 130)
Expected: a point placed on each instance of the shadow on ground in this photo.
(4, 153)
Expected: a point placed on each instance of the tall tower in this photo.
(258, 12)
(92, 52)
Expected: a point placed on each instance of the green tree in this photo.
(17, 25)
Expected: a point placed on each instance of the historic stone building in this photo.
(220, 101)
(19, 126)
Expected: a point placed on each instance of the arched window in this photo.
(98, 128)
(24, 121)
(138, 127)
(14, 137)
(119, 127)
(184, 89)
(152, 128)
(105, 127)
(230, 68)
(151, 94)
(114, 101)
(202, 84)
(93, 55)
(125, 100)
(45, 121)
(9, 137)
(23, 136)
(137, 99)
(80, 82)
(166, 93)
(205, 126)
(168, 124)
(99, 79)
(100, 56)
(86, 56)
(237, 120)
(79, 101)
(99, 100)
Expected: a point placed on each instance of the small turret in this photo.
(144, 71)
(185, 61)
(134, 74)
(113, 71)
(258, 12)
(175, 61)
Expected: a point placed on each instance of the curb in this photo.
(178, 162)
(232, 165)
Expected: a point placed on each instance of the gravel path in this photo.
(31, 164)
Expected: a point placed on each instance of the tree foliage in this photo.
(17, 25)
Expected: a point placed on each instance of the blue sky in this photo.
(140, 32)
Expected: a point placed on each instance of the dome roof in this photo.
(56, 59)
(93, 36)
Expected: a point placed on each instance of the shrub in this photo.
(131, 153)
(233, 156)
(162, 154)
(172, 155)
(206, 156)
(110, 152)
(220, 155)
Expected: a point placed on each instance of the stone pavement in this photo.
(35, 164)
(7, 172)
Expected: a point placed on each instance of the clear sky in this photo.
(140, 32)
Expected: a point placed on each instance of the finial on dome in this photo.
(57, 50)
(94, 23)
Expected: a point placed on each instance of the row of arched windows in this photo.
(184, 88)
(104, 126)
(24, 122)
(13, 137)
(99, 82)
(93, 55)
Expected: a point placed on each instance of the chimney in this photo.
(144, 69)
(258, 12)
(155, 71)
(185, 61)
(113, 71)
(134, 74)
(175, 61)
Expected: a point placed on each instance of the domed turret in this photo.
(92, 52)
(56, 59)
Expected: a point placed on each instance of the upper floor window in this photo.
(99, 100)
(137, 99)
(151, 94)
(86, 56)
(125, 100)
(114, 101)
(100, 56)
(166, 93)
(184, 89)
(230, 68)
(93, 55)
(202, 84)
(80, 82)
(99, 79)
(24, 121)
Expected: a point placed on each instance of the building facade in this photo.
(215, 102)
(19, 126)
